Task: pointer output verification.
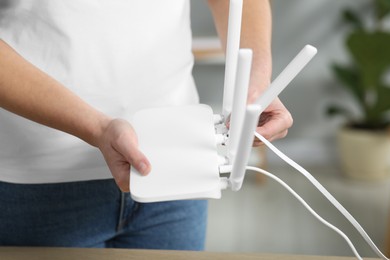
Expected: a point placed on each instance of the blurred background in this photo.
(263, 217)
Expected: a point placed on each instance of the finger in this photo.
(123, 180)
(257, 142)
(275, 126)
(137, 159)
(278, 136)
(122, 176)
(133, 155)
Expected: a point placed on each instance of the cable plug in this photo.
(225, 168)
(221, 139)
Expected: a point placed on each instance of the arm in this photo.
(29, 92)
(256, 35)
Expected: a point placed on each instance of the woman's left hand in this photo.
(274, 122)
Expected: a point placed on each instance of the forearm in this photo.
(255, 34)
(27, 91)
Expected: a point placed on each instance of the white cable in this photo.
(299, 198)
(329, 196)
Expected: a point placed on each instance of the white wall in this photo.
(295, 23)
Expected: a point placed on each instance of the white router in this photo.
(181, 142)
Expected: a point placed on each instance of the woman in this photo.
(72, 74)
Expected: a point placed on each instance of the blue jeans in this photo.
(96, 214)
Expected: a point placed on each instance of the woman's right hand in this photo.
(119, 146)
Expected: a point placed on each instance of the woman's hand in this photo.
(119, 146)
(274, 122)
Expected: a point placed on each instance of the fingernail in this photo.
(143, 168)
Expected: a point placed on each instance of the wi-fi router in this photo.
(181, 142)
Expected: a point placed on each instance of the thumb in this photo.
(136, 158)
(139, 161)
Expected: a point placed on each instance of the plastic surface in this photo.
(180, 144)
(239, 102)
(232, 47)
(286, 76)
(245, 145)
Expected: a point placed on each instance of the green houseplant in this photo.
(367, 78)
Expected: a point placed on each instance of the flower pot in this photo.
(365, 155)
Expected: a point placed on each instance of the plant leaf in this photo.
(334, 110)
(351, 79)
(352, 18)
(371, 52)
(382, 8)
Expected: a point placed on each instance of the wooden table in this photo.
(43, 253)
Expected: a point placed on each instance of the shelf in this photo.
(208, 50)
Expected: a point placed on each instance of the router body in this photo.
(181, 147)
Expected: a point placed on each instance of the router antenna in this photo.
(286, 76)
(239, 101)
(248, 128)
(232, 46)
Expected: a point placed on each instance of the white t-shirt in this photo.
(119, 56)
